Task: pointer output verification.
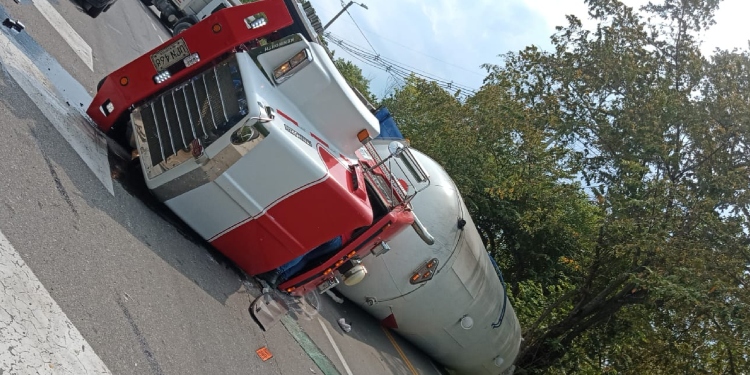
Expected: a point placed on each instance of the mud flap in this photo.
(267, 310)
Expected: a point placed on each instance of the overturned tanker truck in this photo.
(244, 128)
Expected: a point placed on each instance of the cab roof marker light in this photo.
(364, 136)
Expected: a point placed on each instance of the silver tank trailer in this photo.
(460, 316)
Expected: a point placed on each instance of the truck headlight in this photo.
(291, 66)
(161, 77)
(281, 70)
(256, 21)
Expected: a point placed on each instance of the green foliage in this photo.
(609, 178)
(353, 76)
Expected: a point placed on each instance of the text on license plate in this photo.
(167, 56)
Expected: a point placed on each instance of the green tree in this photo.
(355, 78)
(532, 215)
(609, 177)
(660, 136)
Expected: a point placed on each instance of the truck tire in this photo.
(101, 82)
(164, 19)
(94, 12)
(180, 27)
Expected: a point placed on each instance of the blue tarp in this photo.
(388, 127)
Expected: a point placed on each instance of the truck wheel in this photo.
(99, 85)
(164, 18)
(180, 27)
(94, 12)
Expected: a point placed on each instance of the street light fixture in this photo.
(342, 11)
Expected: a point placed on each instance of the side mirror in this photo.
(399, 150)
(396, 148)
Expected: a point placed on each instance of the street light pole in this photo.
(342, 11)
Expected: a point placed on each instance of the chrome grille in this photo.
(204, 107)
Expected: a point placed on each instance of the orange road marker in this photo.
(264, 354)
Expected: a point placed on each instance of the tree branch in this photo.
(593, 269)
(732, 366)
(547, 312)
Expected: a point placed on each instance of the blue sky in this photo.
(450, 39)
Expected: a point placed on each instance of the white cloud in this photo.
(732, 29)
(554, 12)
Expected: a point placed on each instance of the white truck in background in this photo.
(179, 15)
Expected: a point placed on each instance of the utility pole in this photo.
(342, 11)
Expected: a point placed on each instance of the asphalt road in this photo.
(146, 294)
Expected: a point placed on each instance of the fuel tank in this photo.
(447, 298)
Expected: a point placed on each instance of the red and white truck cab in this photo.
(256, 141)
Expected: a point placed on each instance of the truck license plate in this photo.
(167, 56)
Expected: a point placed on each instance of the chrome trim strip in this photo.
(169, 128)
(208, 99)
(158, 134)
(221, 96)
(198, 106)
(190, 117)
(179, 122)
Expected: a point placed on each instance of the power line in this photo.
(361, 32)
(397, 70)
(405, 46)
(363, 35)
(426, 55)
(390, 65)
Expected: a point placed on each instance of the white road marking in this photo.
(160, 38)
(154, 26)
(79, 46)
(39, 337)
(88, 143)
(335, 347)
